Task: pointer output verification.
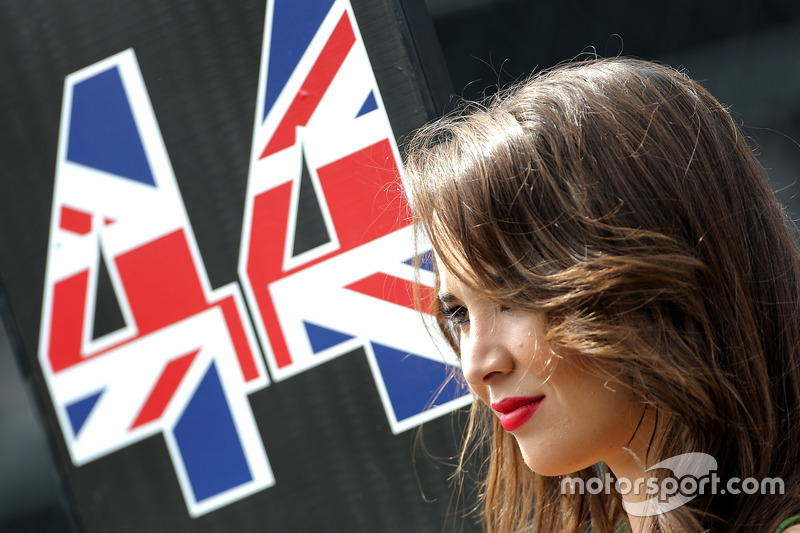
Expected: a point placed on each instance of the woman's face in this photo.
(563, 418)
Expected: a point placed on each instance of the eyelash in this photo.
(457, 316)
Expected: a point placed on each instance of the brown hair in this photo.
(622, 200)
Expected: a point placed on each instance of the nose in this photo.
(484, 357)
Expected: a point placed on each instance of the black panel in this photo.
(310, 231)
(342, 470)
(107, 313)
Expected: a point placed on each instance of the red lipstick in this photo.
(517, 410)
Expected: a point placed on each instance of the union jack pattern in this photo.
(186, 357)
(324, 161)
(325, 263)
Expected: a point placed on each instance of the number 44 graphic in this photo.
(185, 357)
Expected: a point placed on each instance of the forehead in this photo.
(453, 281)
(448, 283)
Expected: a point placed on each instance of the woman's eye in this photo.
(457, 316)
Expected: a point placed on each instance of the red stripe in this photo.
(162, 282)
(76, 221)
(364, 195)
(164, 389)
(239, 338)
(265, 260)
(66, 323)
(394, 290)
(319, 79)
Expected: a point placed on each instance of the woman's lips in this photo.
(516, 411)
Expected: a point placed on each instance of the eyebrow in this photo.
(446, 297)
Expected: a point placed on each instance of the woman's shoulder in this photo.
(792, 529)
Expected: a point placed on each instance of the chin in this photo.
(549, 466)
(541, 466)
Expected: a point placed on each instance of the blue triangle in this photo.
(414, 383)
(322, 338)
(369, 105)
(102, 130)
(210, 446)
(425, 261)
(294, 23)
(79, 411)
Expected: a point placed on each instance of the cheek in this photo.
(542, 361)
(603, 410)
(584, 423)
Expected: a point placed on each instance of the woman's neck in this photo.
(629, 465)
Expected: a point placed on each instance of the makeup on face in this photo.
(515, 411)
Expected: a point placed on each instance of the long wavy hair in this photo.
(621, 200)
